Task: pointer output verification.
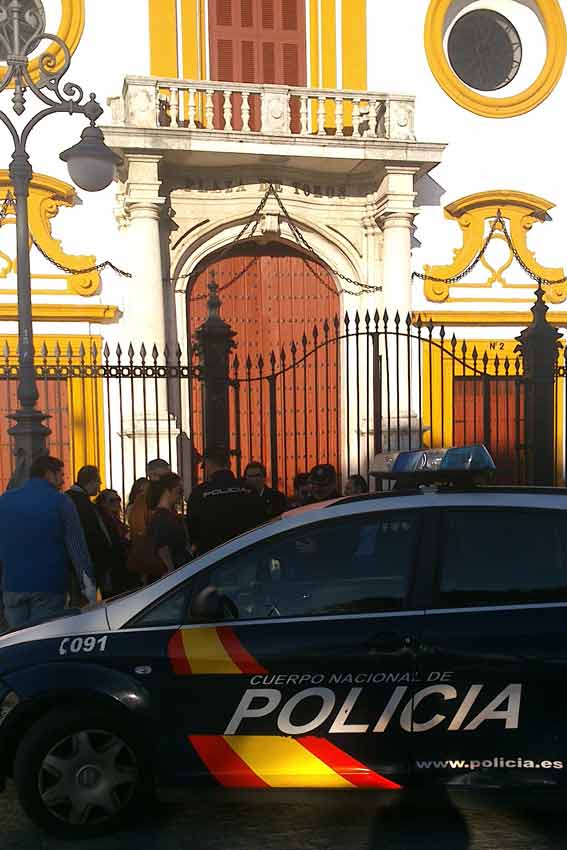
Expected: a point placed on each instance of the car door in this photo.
(306, 678)
(496, 636)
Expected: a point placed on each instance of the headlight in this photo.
(7, 703)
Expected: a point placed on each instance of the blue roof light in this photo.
(436, 465)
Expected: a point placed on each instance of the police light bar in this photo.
(465, 464)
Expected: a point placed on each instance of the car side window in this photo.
(348, 566)
(171, 610)
(502, 556)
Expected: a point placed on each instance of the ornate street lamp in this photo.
(91, 166)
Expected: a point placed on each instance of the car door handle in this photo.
(392, 640)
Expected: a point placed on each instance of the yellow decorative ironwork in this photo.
(92, 313)
(47, 196)
(485, 318)
(473, 214)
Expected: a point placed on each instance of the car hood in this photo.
(89, 621)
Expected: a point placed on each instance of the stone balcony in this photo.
(212, 124)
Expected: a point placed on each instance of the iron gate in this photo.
(398, 385)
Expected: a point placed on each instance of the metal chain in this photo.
(298, 236)
(10, 203)
(528, 271)
(499, 222)
(107, 264)
(255, 217)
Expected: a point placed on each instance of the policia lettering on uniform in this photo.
(424, 710)
(220, 509)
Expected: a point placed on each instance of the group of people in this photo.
(321, 484)
(60, 549)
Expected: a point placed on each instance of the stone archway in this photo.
(274, 296)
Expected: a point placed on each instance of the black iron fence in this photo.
(345, 391)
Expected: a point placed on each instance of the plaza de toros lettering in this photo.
(294, 188)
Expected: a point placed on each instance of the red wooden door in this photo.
(54, 401)
(256, 41)
(492, 411)
(275, 298)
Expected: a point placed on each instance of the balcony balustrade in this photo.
(231, 109)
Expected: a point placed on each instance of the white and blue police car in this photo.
(411, 636)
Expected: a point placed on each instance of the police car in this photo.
(374, 642)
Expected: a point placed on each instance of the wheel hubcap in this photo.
(88, 777)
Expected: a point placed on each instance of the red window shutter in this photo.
(224, 13)
(225, 60)
(268, 62)
(248, 56)
(268, 14)
(247, 13)
(289, 15)
(258, 41)
(290, 57)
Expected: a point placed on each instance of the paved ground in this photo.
(322, 822)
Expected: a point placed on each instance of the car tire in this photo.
(82, 772)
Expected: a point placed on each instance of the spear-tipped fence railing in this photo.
(340, 393)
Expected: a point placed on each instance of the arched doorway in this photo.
(281, 301)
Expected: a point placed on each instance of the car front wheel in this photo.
(80, 772)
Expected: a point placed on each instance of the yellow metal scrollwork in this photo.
(520, 211)
(47, 196)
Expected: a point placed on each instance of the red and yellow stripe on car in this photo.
(210, 650)
(266, 761)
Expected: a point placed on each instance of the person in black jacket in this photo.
(275, 503)
(99, 544)
(222, 507)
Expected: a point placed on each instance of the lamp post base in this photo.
(29, 435)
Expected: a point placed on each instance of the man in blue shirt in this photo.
(40, 532)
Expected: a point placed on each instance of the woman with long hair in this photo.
(165, 526)
(136, 519)
(109, 506)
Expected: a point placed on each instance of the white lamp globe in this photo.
(91, 163)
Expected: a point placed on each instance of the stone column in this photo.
(144, 312)
(395, 215)
(396, 286)
(142, 404)
(396, 212)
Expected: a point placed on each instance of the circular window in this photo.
(484, 50)
(496, 58)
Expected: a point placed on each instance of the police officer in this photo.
(323, 479)
(274, 502)
(222, 507)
